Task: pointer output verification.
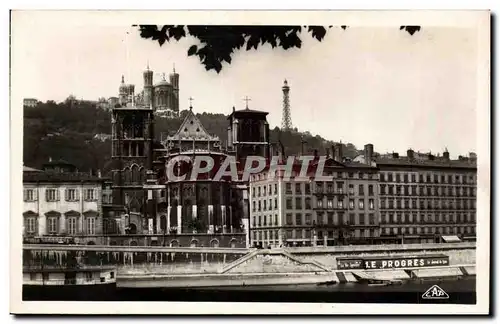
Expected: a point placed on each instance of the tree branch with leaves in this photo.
(217, 43)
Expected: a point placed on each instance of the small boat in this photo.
(68, 283)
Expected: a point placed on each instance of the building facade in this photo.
(426, 198)
(60, 202)
(306, 211)
(30, 102)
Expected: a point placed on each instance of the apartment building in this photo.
(307, 211)
(61, 203)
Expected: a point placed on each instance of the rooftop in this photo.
(52, 176)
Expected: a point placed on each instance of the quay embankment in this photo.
(203, 267)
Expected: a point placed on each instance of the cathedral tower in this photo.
(174, 81)
(148, 87)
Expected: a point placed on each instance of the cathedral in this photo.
(157, 205)
(162, 97)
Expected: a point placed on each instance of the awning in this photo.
(450, 238)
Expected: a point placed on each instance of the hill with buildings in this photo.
(78, 132)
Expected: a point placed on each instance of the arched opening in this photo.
(214, 243)
(232, 243)
(132, 228)
(174, 243)
(154, 243)
(194, 243)
(133, 243)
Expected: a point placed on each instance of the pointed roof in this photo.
(192, 128)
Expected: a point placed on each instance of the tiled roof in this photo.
(49, 176)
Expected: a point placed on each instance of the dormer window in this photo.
(197, 129)
(185, 130)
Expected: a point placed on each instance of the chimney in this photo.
(99, 173)
(327, 152)
(473, 157)
(368, 153)
(410, 154)
(395, 155)
(446, 155)
(338, 152)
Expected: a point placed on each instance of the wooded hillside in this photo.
(66, 131)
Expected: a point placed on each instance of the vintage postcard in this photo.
(305, 162)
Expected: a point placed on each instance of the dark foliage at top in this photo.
(218, 43)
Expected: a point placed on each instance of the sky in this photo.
(375, 85)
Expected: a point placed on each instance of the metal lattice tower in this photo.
(286, 122)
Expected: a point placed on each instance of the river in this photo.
(459, 291)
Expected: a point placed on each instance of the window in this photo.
(319, 187)
(352, 219)
(264, 190)
(361, 189)
(72, 225)
(340, 187)
(308, 219)
(329, 203)
(52, 225)
(260, 207)
(253, 192)
(413, 178)
(258, 192)
(298, 188)
(319, 203)
(361, 204)
(370, 190)
(275, 188)
(351, 203)
(89, 194)
(307, 188)
(288, 188)
(371, 204)
(289, 203)
(298, 203)
(382, 189)
(51, 194)
(30, 225)
(253, 205)
(389, 177)
(361, 175)
(382, 203)
(298, 219)
(340, 204)
(329, 187)
(265, 204)
(391, 190)
(362, 219)
(405, 177)
(91, 225)
(330, 219)
(275, 219)
(350, 175)
(398, 177)
(382, 177)
(351, 189)
(29, 195)
(308, 203)
(265, 220)
(371, 219)
(275, 203)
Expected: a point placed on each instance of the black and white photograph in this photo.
(321, 162)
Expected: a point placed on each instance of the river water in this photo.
(460, 291)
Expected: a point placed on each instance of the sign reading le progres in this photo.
(393, 262)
